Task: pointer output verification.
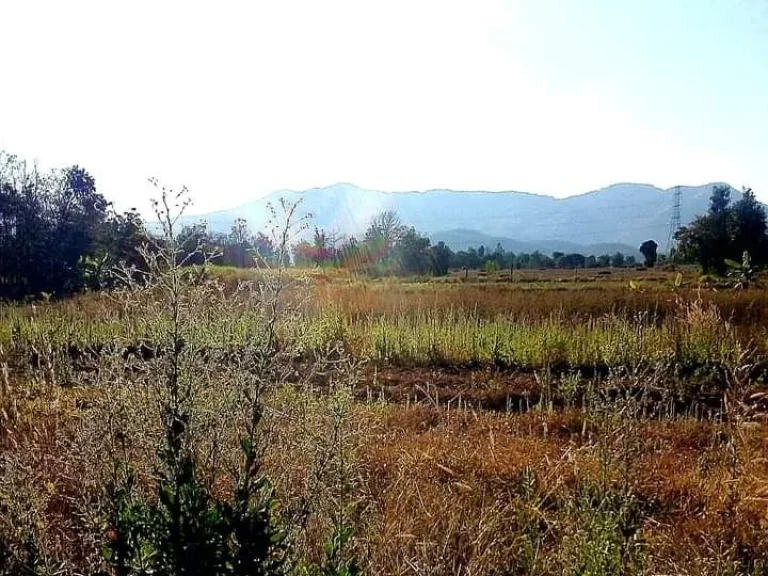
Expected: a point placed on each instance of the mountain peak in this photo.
(340, 187)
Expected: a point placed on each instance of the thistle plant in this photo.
(183, 525)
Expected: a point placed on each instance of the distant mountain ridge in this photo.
(618, 217)
(463, 239)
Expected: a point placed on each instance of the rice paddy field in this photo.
(539, 422)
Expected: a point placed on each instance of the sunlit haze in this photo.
(239, 99)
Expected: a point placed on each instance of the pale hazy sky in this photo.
(238, 99)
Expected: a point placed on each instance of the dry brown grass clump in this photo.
(450, 491)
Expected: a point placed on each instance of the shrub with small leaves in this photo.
(179, 525)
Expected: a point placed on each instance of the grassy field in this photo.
(551, 422)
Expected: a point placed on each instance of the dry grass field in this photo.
(550, 423)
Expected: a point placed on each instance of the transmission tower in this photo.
(674, 223)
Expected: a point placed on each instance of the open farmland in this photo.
(540, 424)
(384, 288)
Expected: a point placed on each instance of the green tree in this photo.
(539, 260)
(719, 219)
(194, 242)
(49, 228)
(571, 261)
(748, 228)
(499, 256)
(473, 259)
(649, 251)
(384, 233)
(724, 233)
(719, 200)
(412, 253)
(441, 259)
(75, 213)
(119, 240)
(386, 227)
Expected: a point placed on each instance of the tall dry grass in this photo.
(612, 481)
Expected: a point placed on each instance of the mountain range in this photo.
(617, 218)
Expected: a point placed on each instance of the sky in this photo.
(238, 99)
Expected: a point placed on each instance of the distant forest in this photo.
(59, 235)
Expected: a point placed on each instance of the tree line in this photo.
(58, 235)
(389, 247)
(728, 236)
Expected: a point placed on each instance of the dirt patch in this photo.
(486, 389)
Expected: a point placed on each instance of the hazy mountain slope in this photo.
(619, 214)
(462, 239)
